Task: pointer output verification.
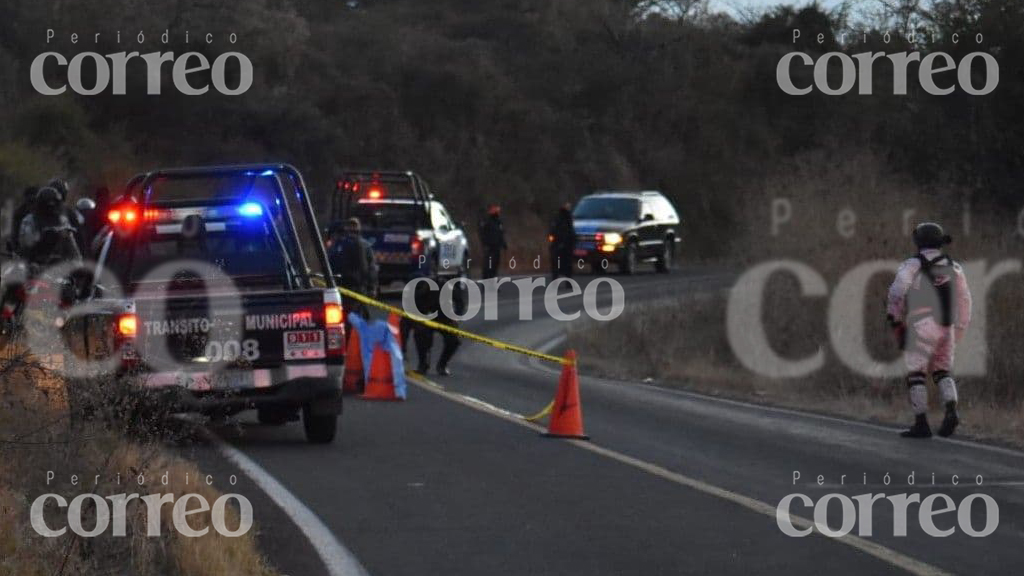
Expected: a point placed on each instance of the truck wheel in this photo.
(320, 429)
(628, 265)
(666, 260)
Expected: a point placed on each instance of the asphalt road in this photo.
(679, 483)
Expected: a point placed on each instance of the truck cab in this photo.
(226, 301)
(412, 233)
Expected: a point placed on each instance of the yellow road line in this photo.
(888, 555)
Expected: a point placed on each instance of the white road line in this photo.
(551, 344)
(338, 560)
(878, 551)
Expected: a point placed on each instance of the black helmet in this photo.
(47, 204)
(930, 235)
(61, 186)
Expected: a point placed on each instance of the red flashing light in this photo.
(416, 246)
(127, 215)
(375, 193)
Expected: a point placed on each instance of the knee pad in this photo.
(940, 375)
(916, 379)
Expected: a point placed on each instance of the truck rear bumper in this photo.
(318, 386)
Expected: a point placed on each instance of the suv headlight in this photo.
(613, 238)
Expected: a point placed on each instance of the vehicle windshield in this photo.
(381, 215)
(246, 249)
(274, 192)
(600, 208)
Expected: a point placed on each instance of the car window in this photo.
(438, 216)
(648, 209)
(602, 208)
(663, 210)
(448, 218)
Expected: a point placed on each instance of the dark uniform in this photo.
(492, 238)
(429, 301)
(28, 202)
(563, 243)
(46, 236)
(352, 261)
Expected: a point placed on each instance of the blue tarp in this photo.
(377, 333)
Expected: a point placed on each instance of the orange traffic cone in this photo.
(381, 384)
(566, 415)
(395, 325)
(352, 381)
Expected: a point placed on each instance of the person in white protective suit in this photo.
(929, 309)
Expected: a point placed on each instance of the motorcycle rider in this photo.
(46, 235)
(28, 201)
(929, 309)
(492, 237)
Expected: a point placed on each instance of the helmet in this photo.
(85, 205)
(61, 186)
(48, 199)
(930, 235)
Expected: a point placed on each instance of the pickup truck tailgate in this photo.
(249, 330)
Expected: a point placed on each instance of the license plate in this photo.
(304, 344)
(580, 252)
(224, 380)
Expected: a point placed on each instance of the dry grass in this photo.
(40, 432)
(698, 355)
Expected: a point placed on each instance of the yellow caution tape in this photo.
(446, 328)
(541, 414)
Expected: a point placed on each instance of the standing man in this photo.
(929, 309)
(492, 237)
(563, 242)
(429, 301)
(28, 202)
(352, 261)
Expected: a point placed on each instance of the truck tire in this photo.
(320, 429)
(628, 265)
(667, 258)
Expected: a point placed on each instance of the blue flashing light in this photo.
(267, 173)
(250, 209)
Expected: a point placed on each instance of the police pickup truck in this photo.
(231, 304)
(412, 233)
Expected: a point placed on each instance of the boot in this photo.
(424, 366)
(442, 370)
(950, 422)
(920, 429)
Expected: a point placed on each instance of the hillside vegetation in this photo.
(523, 102)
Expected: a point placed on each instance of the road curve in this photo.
(434, 486)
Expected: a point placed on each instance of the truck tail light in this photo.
(416, 246)
(334, 324)
(127, 325)
(332, 314)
